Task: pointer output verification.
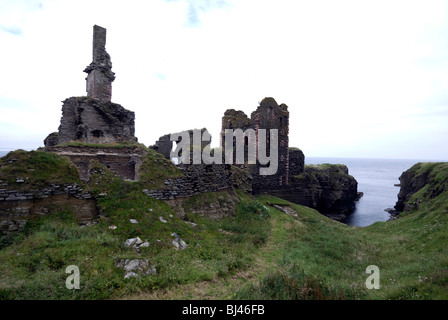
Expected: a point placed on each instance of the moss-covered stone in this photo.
(155, 169)
(26, 170)
(242, 179)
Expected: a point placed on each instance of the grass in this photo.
(35, 261)
(323, 259)
(155, 170)
(438, 177)
(25, 170)
(316, 171)
(260, 253)
(117, 145)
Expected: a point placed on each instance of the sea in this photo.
(376, 179)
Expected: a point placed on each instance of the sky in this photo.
(364, 79)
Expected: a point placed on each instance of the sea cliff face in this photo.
(423, 181)
(328, 188)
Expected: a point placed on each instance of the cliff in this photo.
(421, 183)
(327, 188)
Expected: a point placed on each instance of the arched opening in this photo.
(97, 133)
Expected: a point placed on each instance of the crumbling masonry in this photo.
(268, 115)
(95, 119)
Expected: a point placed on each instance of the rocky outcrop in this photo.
(421, 181)
(410, 183)
(327, 188)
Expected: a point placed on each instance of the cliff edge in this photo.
(421, 183)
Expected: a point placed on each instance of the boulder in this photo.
(136, 243)
(136, 267)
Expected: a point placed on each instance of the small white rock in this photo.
(130, 274)
(133, 220)
(175, 244)
(138, 241)
(144, 244)
(131, 242)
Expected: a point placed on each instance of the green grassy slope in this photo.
(262, 253)
(35, 169)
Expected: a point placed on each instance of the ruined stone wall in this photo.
(236, 119)
(198, 178)
(268, 115)
(125, 162)
(99, 72)
(214, 205)
(95, 119)
(92, 121)
(17, 207)
(296, 162)
(163, 146)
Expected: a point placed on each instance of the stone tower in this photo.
(99, 72)
(268, 115)
(95, 118)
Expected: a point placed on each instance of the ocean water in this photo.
(376, 179)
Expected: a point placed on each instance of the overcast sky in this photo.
(360, 78)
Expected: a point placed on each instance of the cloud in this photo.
(14, 30)
(13, 15)
(198, 7)
(355, 74)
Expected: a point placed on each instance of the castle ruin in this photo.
(93, 128)
(99, 72)
(268, 115)
(95, 119)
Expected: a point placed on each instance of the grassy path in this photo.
(221, 288)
